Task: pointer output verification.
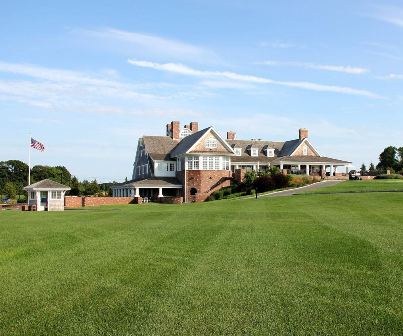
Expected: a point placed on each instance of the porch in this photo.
(149, 189)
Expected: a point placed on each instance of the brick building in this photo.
(194, 163)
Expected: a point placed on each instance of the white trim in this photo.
(303, 141)
(223, 142)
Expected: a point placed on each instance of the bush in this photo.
(264, 183)
(280, 180)
(389, 177)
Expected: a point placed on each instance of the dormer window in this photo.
(254, 151)
(211, 143)
(270, 152)
(305, 150)
(184, 133)
(238, 151)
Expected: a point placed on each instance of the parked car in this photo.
(354, 175)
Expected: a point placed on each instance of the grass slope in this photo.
(363, 186)
(312, 264)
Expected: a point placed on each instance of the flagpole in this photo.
(29, 160)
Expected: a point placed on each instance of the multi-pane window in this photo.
(205, 162)
(32, 194)
(172, 167)
(211, 143)
(56, 194)
(217, 163)
(238, 151)
(253, 151)
(270, 152)
(305, 150)
(208, 163)
(184, 133)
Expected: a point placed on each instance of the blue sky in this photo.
(88, 78)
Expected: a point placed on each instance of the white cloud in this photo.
(226, 75)
(324, 67)
(392, 15)
(57, 89)
(150, 44)
(394, 76)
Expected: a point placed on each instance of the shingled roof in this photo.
(151, 182)
(309, 159)
(159, 147)
(47, 184)
(188, 142)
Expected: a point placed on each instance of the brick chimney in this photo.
(175, 130)
(194, 126)
(303, 133)
(169, 129)
(231, 135)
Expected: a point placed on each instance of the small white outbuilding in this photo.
(46, 195)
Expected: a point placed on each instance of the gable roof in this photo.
(47, 184)
(159, 147)
(188, 142)
(290, 146)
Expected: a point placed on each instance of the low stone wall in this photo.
(337, 177)
(171, 200)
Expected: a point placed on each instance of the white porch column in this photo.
(281, 166)
(331, 170)
(160, 192)
(136, 192)
(323, 170)
(299, 167)
(307, 169)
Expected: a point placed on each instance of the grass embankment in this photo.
(313, 264)
(362, 186)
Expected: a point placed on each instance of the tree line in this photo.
(14, 177)
(390, 159)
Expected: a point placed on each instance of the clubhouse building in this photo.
(194, 163)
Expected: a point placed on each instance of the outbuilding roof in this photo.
(152, 182)
(47, 184)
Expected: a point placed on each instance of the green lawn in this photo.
(363, 186)
(301, 265)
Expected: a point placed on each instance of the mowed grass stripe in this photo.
(319, 264)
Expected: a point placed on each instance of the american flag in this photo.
(37, 145)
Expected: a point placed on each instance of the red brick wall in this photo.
(95, 201)
(205, 182)
(78, 202)
(73, 202)
(171, 199)
(239, 175)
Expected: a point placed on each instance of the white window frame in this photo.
(211, 142)
(238, 151)
(305, 150)
(270, 152)
(56, 195)
(184, 133)
(254, 151)
(172, 166)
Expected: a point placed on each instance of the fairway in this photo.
(300, 265)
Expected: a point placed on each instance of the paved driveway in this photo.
(300, 190)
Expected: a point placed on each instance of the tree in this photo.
(14, 171)
(363, 169)
(388, 159)
(400, 153)
(76, 188)
(371, 169)
(91, 188)
(264, 183)
(10, 190)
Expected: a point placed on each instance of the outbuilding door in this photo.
(44, 199)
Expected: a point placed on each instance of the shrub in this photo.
(264, 183)
(280, 180)
(389, 177)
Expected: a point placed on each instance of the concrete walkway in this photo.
(300, 190)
